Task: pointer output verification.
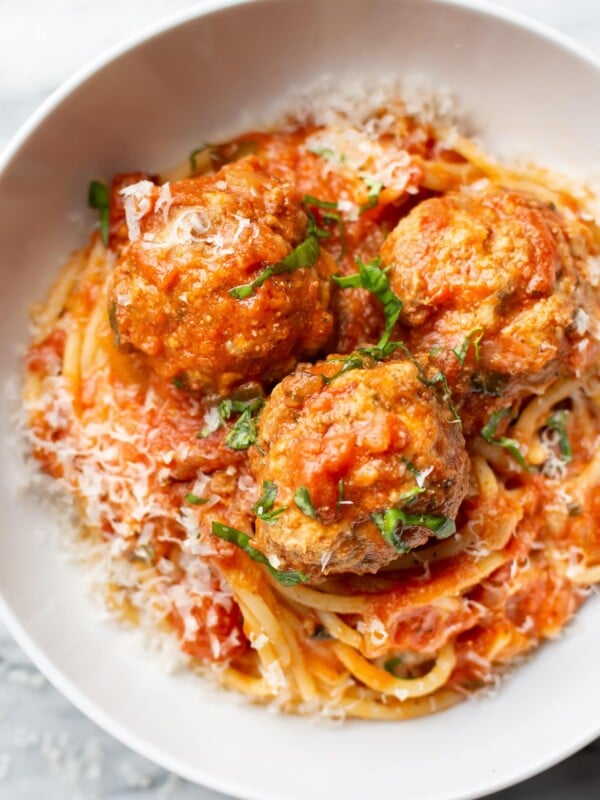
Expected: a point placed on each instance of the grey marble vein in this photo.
(48, 750)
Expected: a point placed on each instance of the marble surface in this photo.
(48, 750)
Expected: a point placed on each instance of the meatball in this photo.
(192, 243)
(497, 277)
(341, 447)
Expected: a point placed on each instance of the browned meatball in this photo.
(194, 241)
(366, 463)
(499, 268)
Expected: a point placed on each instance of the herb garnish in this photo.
(230, 406)
(179, 381)
(243, 542)
(361, 359)
(374, 186)
(219, 155)
(391, 664)
(488, 433)
(114, 323)
(243, 432)
(304, 503)
(392, 523)
(226, 409)
(329, 213)
(305, 255)
(327, 153)
(194, 153)
(372, 277)
(489, 383)
(195, 500)
(98, 199)
(263, 508)
(475, 336)
(556, 423)
(341, 494)
(438, 380)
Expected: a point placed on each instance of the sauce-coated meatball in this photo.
(504, 269)
(352, 447)
(191, 243)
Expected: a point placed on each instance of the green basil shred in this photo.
(329, 213)
(243, 432)
(305, 255)
(488, 434)
(393, 522)
(328, 154)
(341, 493)
(556, 423)
(362, 358)
(391, 665)
(98, 198)
(372, 277)
(263, 508)
(195, 500)
(489, 383)
(439, 383)
(304, 503)
(475, 336)
(243, 542)
(374, 186)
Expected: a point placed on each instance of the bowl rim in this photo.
(200, 775)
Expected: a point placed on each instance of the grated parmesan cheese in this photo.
(136, 203)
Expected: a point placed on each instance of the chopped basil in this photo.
(309, 200)
(243, 542)
(489, 383)
(411, 468)
(488, 433)
(372, 277)
(304, 503)
(362, 358)
(193, 154)
(263, 508)
(438, 380)
(341, 493)
(314, 229)
(556, 423)
(391, 665)
(218, 155)
(374, 186)
(328, 215)
(98, 198)
(305, 255)
(243, 432)
(230, 406)
(195, 499)
(114, 323)
(407, 497)
(461, 351)
(179, 381)
(393, 522)
(327, 153)
(445, 394)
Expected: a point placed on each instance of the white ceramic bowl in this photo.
(145, 106)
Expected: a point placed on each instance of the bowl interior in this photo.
(206, 76)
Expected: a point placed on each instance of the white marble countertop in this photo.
(48, 750)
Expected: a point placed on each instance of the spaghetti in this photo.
(151, 463)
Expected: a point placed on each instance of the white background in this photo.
(48, 750)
